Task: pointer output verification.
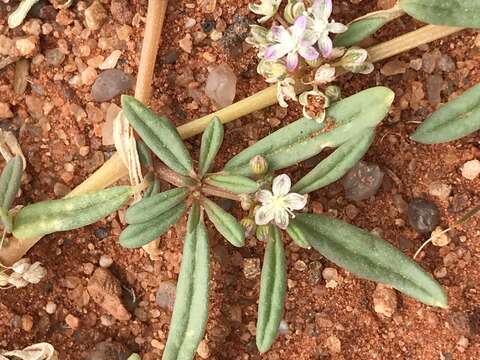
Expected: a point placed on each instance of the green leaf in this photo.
(151, 207)
(305, 138)
(212, 139)
(159, 134)
(370, 257)
(458, 118)
(190, 311)
(134, 357)
(10, 182)
(225, 223)
(462, 13)
(234, 183)
(50, 216)
(141, 234)
(359, 31)
(144, 154)
(335, 165)
(153, 188)
(295, 231)
(272, 292)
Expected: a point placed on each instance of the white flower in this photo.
(286, 91)
(35, 273)
(267, 8)
(279, 204)
(324, 74)
(319, 25)
(21, 266)
(292, 42)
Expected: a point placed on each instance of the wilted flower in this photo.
(35, 273)
(292, 42)
(24, 273)
(21, 266)
(324, 74)
(286, 91)
(293, 9)
(272, 71)
(278, 205)
(355, 61)
(267, 8)
(319, 25)
(314, 104)
(333, 92)
(17, 280)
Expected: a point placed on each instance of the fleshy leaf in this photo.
(370, 257)
(10, 181)
(225, 223)
(295, 231)
(305, 138)
(212, 139)
(144, 154)
(155, 205)
(336, 164)
(234, 183)
(141, 234)
(462, 13)
(273, 285)
(190, 311)
(159, 134)
(454, 120)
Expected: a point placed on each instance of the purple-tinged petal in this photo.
(322, 8)
(308, 53)
(281, 185)
(292, 61)
(275, 52)
(280, 34)
(326, 46)
(264, 215)
(299, 27)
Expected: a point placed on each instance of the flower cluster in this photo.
(23, 273)
(296, 43)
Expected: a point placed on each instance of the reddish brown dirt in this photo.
(314, 312)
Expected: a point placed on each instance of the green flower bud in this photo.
(293, 9)
(249, 226)
(258, 165)
(262, 232)
(333, 92)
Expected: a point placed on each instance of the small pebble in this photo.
(27, 323)
(440, 238)
(105, 261)
(51, 307)
(423, 215)
(221, 85)
(203, 351)
(251, 268)
(384, 300)
(165, 295)
(471, 169)
(440, 190)
(72, 321)
(333, 344)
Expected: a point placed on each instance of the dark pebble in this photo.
(101, 233)
(362, 181)
(208, 25)
(107, 350)
(460, 202)
(43, 10)
(423, 215)
(170, 57)
(111, 83)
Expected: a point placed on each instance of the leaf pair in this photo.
(304, 138)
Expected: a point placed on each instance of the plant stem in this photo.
(153, 30)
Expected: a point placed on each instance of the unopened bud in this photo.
(333, 92)
(262, 232)
(259, 165)
(249, 226)
(3, 280)
(246, 201)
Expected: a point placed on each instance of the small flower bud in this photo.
(333, 92)
(259, 165)
(246, 201)
(3, 279)
(262, 232)
(249, 226)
